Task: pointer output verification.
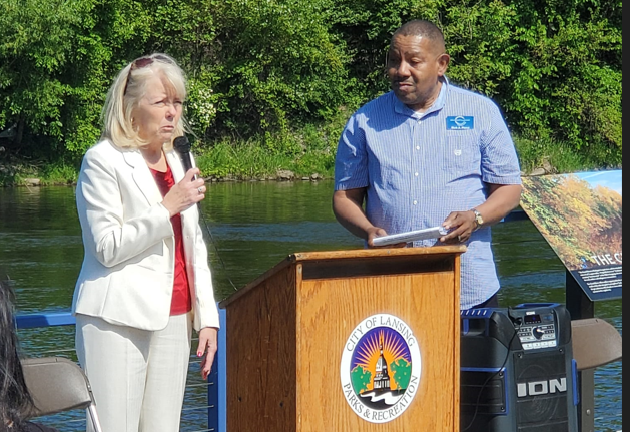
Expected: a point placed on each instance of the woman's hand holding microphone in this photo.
(190, 190)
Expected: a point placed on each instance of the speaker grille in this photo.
(483, 392)
(547, 409)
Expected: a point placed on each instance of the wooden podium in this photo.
(347, 341)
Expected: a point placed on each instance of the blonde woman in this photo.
(145, 281)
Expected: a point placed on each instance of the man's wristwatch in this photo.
(478, 218)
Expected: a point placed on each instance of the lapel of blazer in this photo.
(172, 158)
(142, 176)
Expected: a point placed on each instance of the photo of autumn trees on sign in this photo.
(579, 215)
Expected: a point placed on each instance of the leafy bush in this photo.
(280, 62)
(262, 70)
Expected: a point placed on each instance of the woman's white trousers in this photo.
(137, 377)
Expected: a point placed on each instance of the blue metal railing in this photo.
(44, 320)
(216, 381)
(217, 390)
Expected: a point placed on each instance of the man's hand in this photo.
(460, 225)
(501, 200)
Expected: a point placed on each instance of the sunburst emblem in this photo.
(380, 368)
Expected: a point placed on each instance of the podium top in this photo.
(374, 253)
(363, 254)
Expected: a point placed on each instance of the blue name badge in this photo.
(460, 122)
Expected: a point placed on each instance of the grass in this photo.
(538, 153)
(241, 160)
(251, 159)
(59, 173)
(55, 173)
(562, 157)
(311, 149)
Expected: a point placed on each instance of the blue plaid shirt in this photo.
(420, 167)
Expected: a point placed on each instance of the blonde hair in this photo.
(128, 88)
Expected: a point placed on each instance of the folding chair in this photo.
(595, 343)
(58, 384)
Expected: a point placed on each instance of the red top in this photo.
(180, 302)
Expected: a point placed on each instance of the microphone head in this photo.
(181, 144)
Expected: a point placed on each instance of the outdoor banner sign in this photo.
(579, 215)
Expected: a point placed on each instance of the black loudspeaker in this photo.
(517, 370)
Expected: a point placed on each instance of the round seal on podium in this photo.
(380, 368)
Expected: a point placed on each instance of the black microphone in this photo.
(182, 145)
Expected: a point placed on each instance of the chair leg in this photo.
(94, 418)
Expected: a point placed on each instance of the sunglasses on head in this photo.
(144, 62)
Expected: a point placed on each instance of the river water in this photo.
(250, 227)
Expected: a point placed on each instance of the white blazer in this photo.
(129, 247)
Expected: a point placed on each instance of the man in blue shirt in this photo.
(429, 154)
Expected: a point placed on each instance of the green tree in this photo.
(35, 44)
(361, 379)
(367, 28)
(401, 370)
(258, 70)
(280, 63)
(57, 59)
(553, 66)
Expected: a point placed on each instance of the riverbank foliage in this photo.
(271, 83)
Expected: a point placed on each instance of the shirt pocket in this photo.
(461, 155)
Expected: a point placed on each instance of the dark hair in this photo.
(421, 28)
(15, 401)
